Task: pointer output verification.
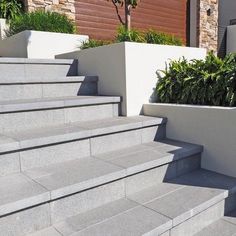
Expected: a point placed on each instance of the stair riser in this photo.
(200, 221)
(63, 208)
(18, 121)
(31, 91)
(25, 71)
(11, 163)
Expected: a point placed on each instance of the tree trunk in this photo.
(127, 15)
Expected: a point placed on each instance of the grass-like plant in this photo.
(41, 21)
(202, 82)
(132, 35)
(9, 9)
(155, 37)
(93, 43)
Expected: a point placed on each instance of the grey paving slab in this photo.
(137, 221)
(177, 148)
(139, 161)
(25, 222)
(75, 204)
(153, 133)
(146, 179)
(208, 179)
(54, 154)
(95, 216)
(116, 141)
(18, 192)
(55, 102)
(230, 217)
(49, 135)
(10, 163)
(149, 120)
(219, 228)
(153, 193)
(39, 79)
(99, 127)
(199, 221)
(74, 176)
(46, 232)
(8, 144)
(183, 203)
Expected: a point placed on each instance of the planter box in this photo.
(212, 127)
(129, 69)
(37, 44)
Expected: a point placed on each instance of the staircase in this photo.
(70, 165)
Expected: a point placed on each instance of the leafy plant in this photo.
(41, 21)
(204, 82)
(93, 43)
(9, 9)
(133, 35)
(155, 37)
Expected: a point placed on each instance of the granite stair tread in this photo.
(51, 103)
(57, 180)
(226, 226)
(12, 141)
(152, 211)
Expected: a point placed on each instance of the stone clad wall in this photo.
(208, 24)
(66, 7)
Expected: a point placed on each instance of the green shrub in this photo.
(204, 82)
(9, 9)
(93, 43)
(41, 21)
(162, 38)
(133, 35)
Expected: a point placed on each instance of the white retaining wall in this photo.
(129, 69)
(212, 127)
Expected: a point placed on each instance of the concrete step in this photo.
(46, 87)
(37, 113)
(178, 207)
(226, 226)
(26, 68)
(44, 146)
(62, 190)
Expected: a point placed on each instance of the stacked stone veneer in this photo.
(208, 24)
(66, 7)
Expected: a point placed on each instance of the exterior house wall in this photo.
(208, 24)
(66, 7)
(98, 19)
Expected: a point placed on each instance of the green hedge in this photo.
(203, 82)
(41, 21)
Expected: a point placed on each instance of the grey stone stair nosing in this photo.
(49, 80)
(72, 132)
(52, 103)
(37, 61)
(95, 219)
(61, 192)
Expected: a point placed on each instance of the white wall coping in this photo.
(192, 106)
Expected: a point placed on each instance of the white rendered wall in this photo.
(129, 69)
(212, 127)
(37, 44)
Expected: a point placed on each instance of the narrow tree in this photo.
(128, 5)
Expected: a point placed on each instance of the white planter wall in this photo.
(3, 27)
(129, 69)
(37, 44)
(212, 127)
